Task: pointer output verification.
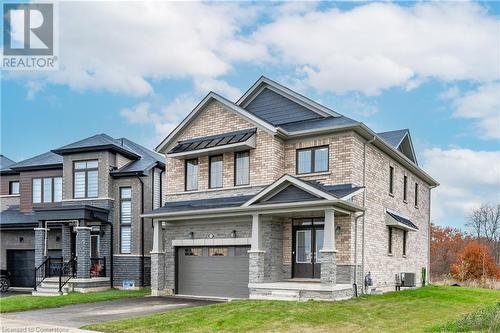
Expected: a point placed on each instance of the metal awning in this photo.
(396, 220)
(231, 141)
(72, 213)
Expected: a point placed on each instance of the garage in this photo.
(216, 271)
(21, 265)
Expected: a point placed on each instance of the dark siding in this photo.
(291, 194)
(277, 109)
(26, 184)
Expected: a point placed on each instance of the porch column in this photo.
(256, 253)
(66, 242)
(157, 261)
(328, 253)
(83, 252)
(40, 252)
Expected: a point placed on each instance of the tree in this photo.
(446, 243)
(484, 223)
(475, 262)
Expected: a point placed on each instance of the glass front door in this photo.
(307, 243)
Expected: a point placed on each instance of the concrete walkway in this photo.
(71, 317)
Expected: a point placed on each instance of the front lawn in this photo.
(408, 311)
(28, 302)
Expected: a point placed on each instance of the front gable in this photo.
(290, 193)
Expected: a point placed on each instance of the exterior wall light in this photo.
(337, 229)
(191, 235)
(233, 234)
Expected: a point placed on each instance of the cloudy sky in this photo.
(136, 69)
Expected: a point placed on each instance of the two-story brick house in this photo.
(80, 206)
(277, 196)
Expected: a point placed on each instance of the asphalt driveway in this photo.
(74, 316)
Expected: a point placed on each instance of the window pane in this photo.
(304, 161)
(192, 174)
(321, 159)
(91, 164)
(80, 165)
(79, 185)
(125, 239)
(92, 184)
(303, 247)
(126, 212)
(47, 190)
(216, 165)
(37, 190)
(218, 251)
(57, 189)
(242, 168)
(14, 188)
(193, 251)
(126, 192)
(319, 244)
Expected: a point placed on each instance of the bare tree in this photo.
(484, 223)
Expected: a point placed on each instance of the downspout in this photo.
(161, 187)
(364, 205)
(356, 253)
(112, 250)
(142, 229)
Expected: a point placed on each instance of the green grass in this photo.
(486, 319)
(408, 311)
(28, 302)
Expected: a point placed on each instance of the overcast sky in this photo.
(137, 69)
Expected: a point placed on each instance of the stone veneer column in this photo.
(83, 252)
(40, 234)
(256, 253)
(328, 253)
(158, 261)
(66, 242)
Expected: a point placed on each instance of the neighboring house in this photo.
(65, 204)
(277, 196)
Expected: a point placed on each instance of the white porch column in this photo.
(256, 253)
(158, 261)
(328, 253)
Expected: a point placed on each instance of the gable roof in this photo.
(97, 142)
(230, 106)
(147, 159)
(264, 82)
(47, 160)
(401, 140)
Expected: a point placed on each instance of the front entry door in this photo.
(307, 243)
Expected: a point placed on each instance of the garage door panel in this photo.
(204, 275)
(21, 265)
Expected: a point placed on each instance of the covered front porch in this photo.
(85, 263)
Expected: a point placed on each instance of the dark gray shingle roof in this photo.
(338, 191)
(45, 160)
(94, 143)
(13, 217)
(5, 164)
(186, 205)
(393, 137)
(213, 141)
(277, 109)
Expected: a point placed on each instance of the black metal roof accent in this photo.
(73, 212)
(402, 220)
(213, 141)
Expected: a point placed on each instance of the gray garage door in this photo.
(21, 265)
(213, 271)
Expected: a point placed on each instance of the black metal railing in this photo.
(41, 272)
(54, 265)
(97, 267)
(66, 272)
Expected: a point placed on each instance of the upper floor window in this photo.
(216, 171)
(47, 190)
(242, 168)
(390, 241)
(391, 180)
(191, 174)
(405, 236)
(405, 188)
(85, 184)
(312, 160)
(416, 194)
(125, 219)
(14, 187)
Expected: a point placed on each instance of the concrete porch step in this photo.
(41, 291)
(277, 294)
